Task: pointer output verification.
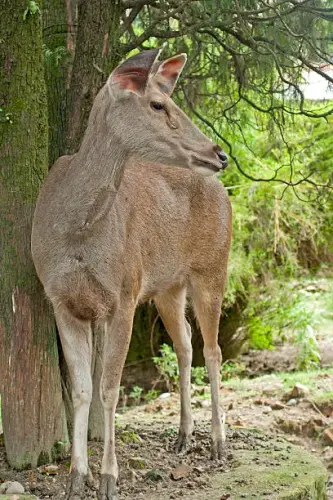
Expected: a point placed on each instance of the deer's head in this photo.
(146, 121)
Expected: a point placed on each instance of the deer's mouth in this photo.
(209, 165)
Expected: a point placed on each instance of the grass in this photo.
(317, 382)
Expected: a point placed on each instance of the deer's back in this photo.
(165, 226)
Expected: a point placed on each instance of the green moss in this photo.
(289, 474)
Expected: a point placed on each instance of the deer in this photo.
(137, 214)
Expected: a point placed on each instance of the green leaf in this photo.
(32, 9)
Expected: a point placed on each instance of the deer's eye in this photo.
(158, 106)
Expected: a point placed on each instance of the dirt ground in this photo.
(146, 433)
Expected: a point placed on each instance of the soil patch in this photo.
(256, 466)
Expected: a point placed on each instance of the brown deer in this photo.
(135, 215)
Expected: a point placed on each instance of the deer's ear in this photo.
(168, 73)
(133, 73)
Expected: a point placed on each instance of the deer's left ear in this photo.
(168, 72)
(132, 75)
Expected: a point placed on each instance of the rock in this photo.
(183, 470)
(137, 463)
(165, 395)
(13, 487)
(240, 422)
(51, 469)
(273, 388)
(18, 497)
(328, 436)
(277, 405)
(4, 486)
(206, 403)
(292, 402)
(299, 391)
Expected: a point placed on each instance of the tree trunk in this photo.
(97, 53)
(57, 62)
(32, 409)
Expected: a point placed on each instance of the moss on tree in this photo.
(32, 410)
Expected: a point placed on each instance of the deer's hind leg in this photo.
(207, 306)
(76, 340)
(171, 307)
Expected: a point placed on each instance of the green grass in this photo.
(315, 380)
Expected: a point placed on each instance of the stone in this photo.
(164, 395)
(299, 391)
(51, 469)
(137, 463)
(277, 405)
(4, 486)
(206, 403)
(183, 470)
(292, 402)
(14, 487)
(328, 436)
(18, 497)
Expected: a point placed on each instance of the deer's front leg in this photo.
(117, 339)
(76, 341)
(171, 308)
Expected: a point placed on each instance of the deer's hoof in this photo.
(183, 442)
(218, 449)
(107, 488)
(75, 486)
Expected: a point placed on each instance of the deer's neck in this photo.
(94, 178)
(102, 160)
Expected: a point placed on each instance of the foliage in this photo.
(199, 375)
(309, 356)
(55, 57)
(231, 369)
(167, 366)
(250, 61)
(5, 117)
(32, 9)
(269, 315)
(151, 395)
(281, 311)
(279, 232)
(136, 394)
(129, 436)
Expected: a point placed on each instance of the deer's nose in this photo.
(223, 158)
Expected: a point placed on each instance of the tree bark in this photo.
(32, 409)
(57, 62)
(97, 53)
